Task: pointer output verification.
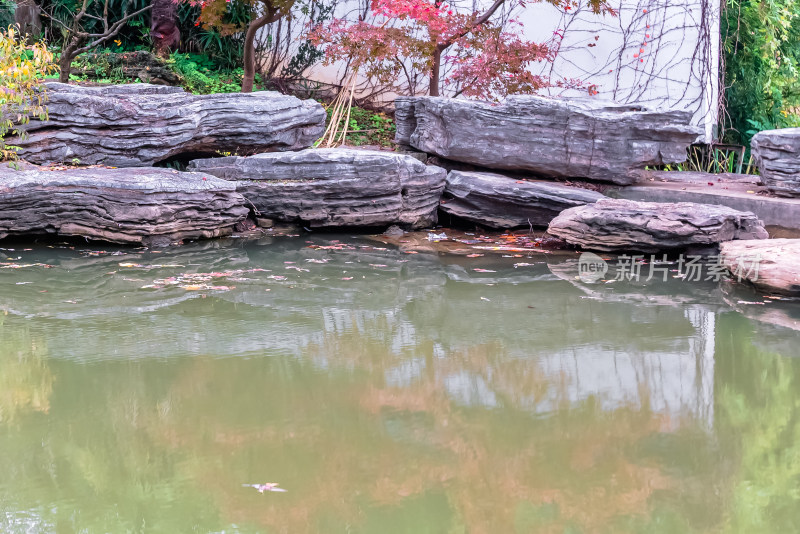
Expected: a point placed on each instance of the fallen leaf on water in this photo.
(269, 486)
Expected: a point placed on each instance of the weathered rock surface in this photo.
(777, 154)
(140, 124)
(501, 202)
(625, 225)
(141, 205)
(335, 187)
(553, 138)
(771, 265)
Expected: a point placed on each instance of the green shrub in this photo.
(200, 74)
(761, 43)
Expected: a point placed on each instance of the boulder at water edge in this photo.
(498, 201)
(137, 205)
(777, 154)
(549, 137)
(772, 265)
(335, 186)
(625, 225)
(141, 124)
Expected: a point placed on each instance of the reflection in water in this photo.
(25, 379)
(388, 392)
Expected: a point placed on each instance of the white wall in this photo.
(678, 69)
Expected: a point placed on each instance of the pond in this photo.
(387, 392)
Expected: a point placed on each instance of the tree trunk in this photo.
(435, 70)
(27, 15)
(164, 29)
(250, 52)
(65, 61)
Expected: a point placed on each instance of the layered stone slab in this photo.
(552, 138)
(777, 154)
(612, 225)
(781, 215)
(140, 124)
(498, 201)
(134, 206)
(335, 187)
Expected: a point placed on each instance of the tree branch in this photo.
(480, 20)
(112, 32)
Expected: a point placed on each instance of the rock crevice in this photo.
(501, 202)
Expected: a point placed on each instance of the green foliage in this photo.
(200, 75)
(7, 8)
(368, 127)
(762, 414)
(134, 35)
(225, 50)
(762, 54)
(22, 68)
(713, 159)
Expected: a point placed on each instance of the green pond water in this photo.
(388, 393)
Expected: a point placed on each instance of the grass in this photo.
(714, 160)
(368, 127)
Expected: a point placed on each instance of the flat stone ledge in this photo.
(614, 225)
(129, 206)
(738, 192)
(335, 187)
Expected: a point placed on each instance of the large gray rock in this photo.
(625, 225)
(138, 205)
(140, 124)
(772, 265)
(501, 202)
(553, 138)
(777, 154)
(335, 186)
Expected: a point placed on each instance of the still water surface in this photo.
(388, 393)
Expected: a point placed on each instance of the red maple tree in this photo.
(485, 54)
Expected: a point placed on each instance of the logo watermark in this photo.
(689, 268)
(591, 267)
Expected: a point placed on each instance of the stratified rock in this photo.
(552, 138)
(501, 202)
(777, 154)
(624, 225)
(141, 205)
(140, 124)
(335, 186)
(772, 265)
